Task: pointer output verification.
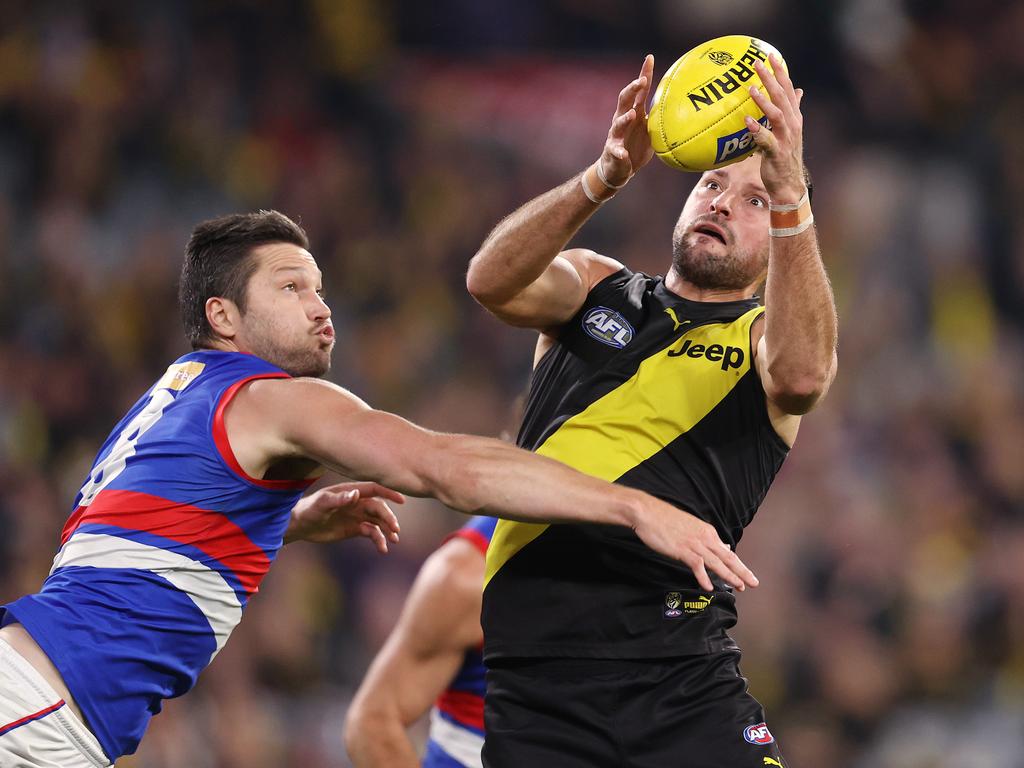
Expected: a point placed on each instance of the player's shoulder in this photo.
(289, 392)
(282, 415)
(593, 267)
(457, 556)
(455, 569)
(449, 588)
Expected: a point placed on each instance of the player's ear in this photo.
(223, 316)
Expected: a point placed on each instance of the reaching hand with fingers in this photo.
(628, 147)
(782, 147)
(346, 510)
(687, 538)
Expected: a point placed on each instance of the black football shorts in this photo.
(687, 712)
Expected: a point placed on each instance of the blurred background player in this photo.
(434, 656)
(193, 492)
(685, 386)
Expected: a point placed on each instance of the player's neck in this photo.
(223, 345)
(687, 290)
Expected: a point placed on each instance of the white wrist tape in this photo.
(587, 191)
(791, 207)
(604, 179)
(790, 231)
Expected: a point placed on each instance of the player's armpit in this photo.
(554, 297)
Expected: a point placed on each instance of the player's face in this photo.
(286, 320)
(721, 238)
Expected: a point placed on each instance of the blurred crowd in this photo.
(889, 627)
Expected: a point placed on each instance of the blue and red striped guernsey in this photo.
(457, 719)
(168, 540)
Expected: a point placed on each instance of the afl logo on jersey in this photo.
(608, 327)
(758, 734)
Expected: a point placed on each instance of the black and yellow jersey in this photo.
(659, 393)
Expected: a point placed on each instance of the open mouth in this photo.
(712, 231)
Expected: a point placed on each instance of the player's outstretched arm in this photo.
(796, 355)
(274, 419)
(518, 274)
(439, 623)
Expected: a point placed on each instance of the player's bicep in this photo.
(553, 298)
(784, 402)
(786, 425)
(321, 421)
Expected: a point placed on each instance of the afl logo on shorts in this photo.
(608, 327)
(672, 602)
(758, 734)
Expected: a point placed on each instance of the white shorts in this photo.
(37, 729)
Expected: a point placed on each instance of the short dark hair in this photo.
(218, 263)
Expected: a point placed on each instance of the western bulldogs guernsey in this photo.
(168, 540)
(457, 719)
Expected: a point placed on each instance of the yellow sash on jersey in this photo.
(671, 391)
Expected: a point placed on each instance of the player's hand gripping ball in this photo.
(696, 120)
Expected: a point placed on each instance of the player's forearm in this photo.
(483, 476)
(800, 321)
(522, 246)
(476, 475)
(379, 742)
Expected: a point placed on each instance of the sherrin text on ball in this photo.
(696, 120)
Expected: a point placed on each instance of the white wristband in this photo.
(790, 206)
(587, 191)
(790, 231)
(604, 180)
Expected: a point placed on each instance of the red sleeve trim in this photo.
(475, 538)
(220, 438)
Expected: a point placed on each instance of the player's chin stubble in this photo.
(733, 270)
(305, 357)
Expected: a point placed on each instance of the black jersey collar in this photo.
(703, 310)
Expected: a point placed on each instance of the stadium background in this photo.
(889, 628)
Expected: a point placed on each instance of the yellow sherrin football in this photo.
(696, 120)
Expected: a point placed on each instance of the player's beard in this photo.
(301, 355)
(732, 268)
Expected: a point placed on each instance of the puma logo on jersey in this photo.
(676, 323)
(729, 356)
(772, 761)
